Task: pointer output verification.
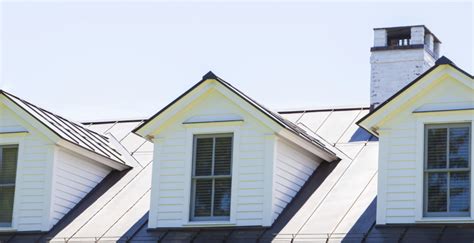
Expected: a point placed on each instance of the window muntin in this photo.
(211, 177)
(447, 170)
(8, 165)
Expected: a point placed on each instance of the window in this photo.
(8, 161)
(211, 177)
(447, 170)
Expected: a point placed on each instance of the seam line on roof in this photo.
(44, 114)
(330, 190)
(324, 121)
(139, 123)
(353, 203)
(113, 125)
(347, 128)
(332, 145)
(89, 134)
(108, 201)
(128, 210)
(80, 135)
(299, 118)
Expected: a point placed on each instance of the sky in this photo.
(91, 61)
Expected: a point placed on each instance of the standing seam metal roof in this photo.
(272, 115)
(67, 130)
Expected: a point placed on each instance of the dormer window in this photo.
(212, 177)
(447, 170)
(8, 164)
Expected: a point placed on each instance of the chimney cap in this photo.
(427, 31)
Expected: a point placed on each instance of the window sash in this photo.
(212, 177)
(7, 186)
(447, 170)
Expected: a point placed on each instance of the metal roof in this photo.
(271, 114)
(336, 204)
(72, 132)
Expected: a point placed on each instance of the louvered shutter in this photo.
(447, 170)
(8, 164)
(211, 184)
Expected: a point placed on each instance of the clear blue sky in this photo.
(94, 61)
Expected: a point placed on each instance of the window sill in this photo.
(209, 224)
(427, 220)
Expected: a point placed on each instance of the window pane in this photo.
(6, 205)
(203, 155)
(203, 193)
(222, 197)
(436, 149)
(459, 192)
(8, 161)
(437, 192)
(459, 147)
(223, 156)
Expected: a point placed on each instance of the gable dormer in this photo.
(47, 165)
(426, 149)
(222, 159)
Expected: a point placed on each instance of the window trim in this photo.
(14, 184)
(426, 171)
(14, 139)
(194, 178)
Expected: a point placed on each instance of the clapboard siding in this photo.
(74, 177)
(32, 172)
(171, 189)
(293, 168)
(402, 147)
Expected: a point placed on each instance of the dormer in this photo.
(426, 149)
(222, 159)
(47, 165)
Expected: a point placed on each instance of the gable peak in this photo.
(444, 60)
(209, 75)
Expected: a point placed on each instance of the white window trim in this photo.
(14, 139)
(446, 170)
(423, 119)
(214, 177)
(192, 131)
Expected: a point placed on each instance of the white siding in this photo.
(74, 177)
(293, 167)
(170, 181)
(41, 196)
(400, 192)
(267, 172)
(32, 181)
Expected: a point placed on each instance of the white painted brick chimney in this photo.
(399, 55)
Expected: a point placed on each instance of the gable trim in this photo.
(442, 62)
(330, 156)
(58, 138)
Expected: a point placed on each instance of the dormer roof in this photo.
(72, 133)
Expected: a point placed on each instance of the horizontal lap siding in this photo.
(171, 184)
(293, 168)
(32, 173)
(31, 185)
(401, 174)
(74, 178)
(250, 187)
(250, 202)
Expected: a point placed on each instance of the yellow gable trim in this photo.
(414, 93)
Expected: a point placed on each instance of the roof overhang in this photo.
(155, 124)
(54, 138)
(438, 73)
